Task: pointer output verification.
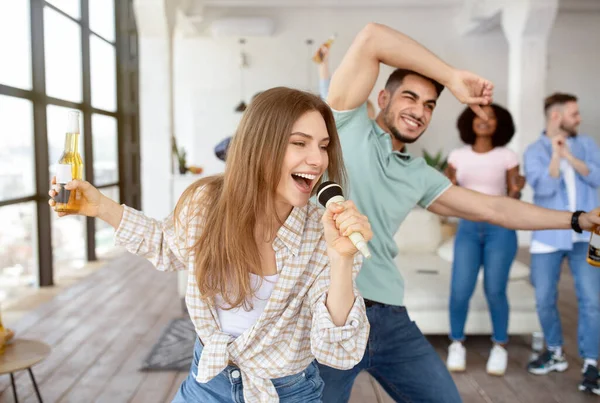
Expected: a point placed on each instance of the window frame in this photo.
(126, 115)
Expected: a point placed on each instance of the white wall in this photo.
(155, 132)
(574, 64)
(207, 77)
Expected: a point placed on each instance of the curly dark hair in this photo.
(505, 127)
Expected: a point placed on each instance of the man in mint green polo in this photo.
(386, 184)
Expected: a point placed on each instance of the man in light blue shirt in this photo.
(563, 168)
(386, 184)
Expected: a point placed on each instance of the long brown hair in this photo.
(226, 250)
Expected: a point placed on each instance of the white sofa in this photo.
(425, 261)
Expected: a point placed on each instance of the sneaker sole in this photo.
(457, 369)
(496, 373)
(589, 390)
(543, 371)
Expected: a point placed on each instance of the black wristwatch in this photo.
(575, 221)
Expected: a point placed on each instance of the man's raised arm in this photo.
(355, 77)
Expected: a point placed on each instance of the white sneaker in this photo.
(457, 357)
(496, 364)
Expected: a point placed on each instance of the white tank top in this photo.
(236, 321)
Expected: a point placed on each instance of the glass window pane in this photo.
(68, 245)
(106, 159)
(57, 117)
(102, 18)
(105, 244)
(70, 7)
(103, 72)
(18, 250)
(17, 169)
(15, 40)
(63, 56)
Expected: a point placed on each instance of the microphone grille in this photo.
(327, 190)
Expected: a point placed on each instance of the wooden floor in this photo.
(101, 328)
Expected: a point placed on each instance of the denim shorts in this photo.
(303, 387)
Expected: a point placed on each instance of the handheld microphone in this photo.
(330, 192)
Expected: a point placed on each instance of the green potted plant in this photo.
(181, 157)
(438, 161)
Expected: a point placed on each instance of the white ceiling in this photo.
(566, 5)
(327, 3)
(192, 13)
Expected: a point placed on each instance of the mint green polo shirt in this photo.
(385, 185)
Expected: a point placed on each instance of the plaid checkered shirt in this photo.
(295, 327)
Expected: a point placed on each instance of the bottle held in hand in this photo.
(318, 56)
(593, 255)
(66, 201)
(63, 176)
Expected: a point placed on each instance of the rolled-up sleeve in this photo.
(324, 88)
(164, 243)
(340, 347)
(538, 175)
(592, 161)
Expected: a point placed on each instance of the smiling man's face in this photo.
(407, 112)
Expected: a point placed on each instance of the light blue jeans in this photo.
(481, 244)
(545, 273)
(304, 387)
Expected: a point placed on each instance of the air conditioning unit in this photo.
(242, 27)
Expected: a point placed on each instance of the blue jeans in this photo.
(400, 358)
(545, 273)
(481, 244)
(304, 387)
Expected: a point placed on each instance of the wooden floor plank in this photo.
(495, 388)
(97, 323)
(93, 381)
(175, 387)
(125, 382)
(83, 288)
(363, 390)
(63, 322)
(543, 388)
(155, 387)
(467, 387)
(138, 315)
